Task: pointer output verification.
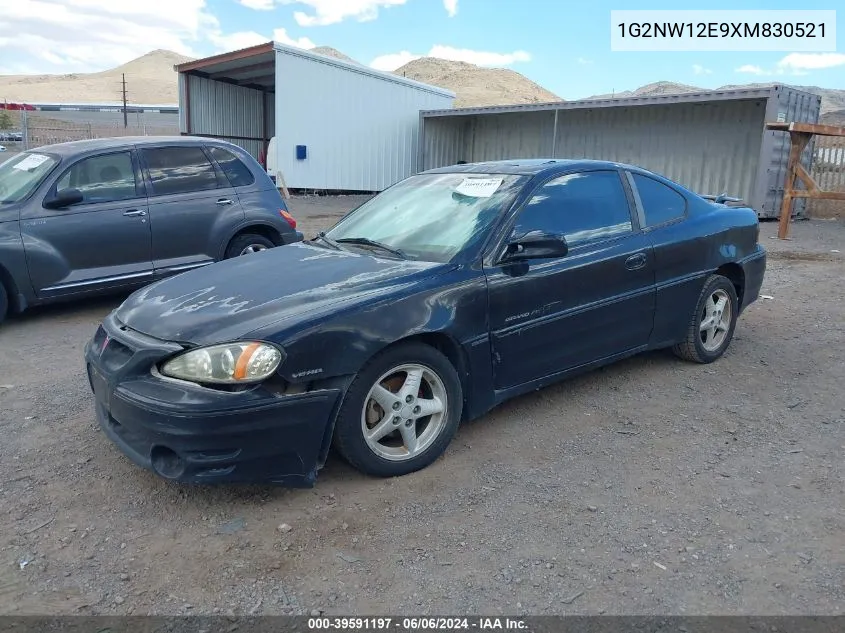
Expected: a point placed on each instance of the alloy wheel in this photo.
(404, 412)
(715, 320)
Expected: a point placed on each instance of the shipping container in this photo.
(712, 142)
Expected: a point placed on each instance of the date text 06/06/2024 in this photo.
(414, 624)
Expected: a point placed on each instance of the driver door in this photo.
(554, 314)
(101, 243)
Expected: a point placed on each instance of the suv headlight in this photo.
(227, 364)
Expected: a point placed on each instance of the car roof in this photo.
(76, 147)
(531, 166)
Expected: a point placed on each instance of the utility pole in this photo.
(125, 117)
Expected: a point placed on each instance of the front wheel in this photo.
(400, 412)
(713, 322)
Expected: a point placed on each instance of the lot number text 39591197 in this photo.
(413, 623)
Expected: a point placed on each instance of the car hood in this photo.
(280, 286)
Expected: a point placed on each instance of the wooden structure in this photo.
(800, 135)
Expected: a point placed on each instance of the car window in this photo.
(660, 203)
(22, 174)
(236, 172)
(102, 178)
(180, 170)
(583, 207)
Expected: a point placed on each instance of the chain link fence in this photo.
(38, 130)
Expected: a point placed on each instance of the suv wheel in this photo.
(248, 244)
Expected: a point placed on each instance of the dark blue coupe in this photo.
(428, 305)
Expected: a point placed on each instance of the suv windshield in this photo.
(430, 217)
(20, 175)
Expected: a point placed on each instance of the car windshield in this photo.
(21, 174)
(430, 217)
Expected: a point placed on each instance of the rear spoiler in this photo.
(724, 199)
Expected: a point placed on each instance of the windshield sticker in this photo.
(31, 162)
(479, 187)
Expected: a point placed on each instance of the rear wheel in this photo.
(713, 322)
(400, 412)
(248, 244)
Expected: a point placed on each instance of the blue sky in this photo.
(566, 50)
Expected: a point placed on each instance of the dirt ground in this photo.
(652, 486)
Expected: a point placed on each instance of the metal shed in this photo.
(711, 142)
(338, 125)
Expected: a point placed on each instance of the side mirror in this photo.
(535, 245)
(64, 198)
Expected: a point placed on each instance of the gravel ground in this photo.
(649, 487)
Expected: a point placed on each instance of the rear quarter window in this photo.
(661, 204)
(238, 174)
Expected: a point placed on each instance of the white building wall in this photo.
(360, 127)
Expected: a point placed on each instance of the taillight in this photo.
(288, 218)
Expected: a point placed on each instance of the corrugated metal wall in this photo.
(709, 147)
(361, 132)
(444, 139)
(231, 113)
(712, 146)
(790, 106)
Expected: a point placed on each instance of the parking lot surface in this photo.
(652, 486)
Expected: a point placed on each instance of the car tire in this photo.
(246, 244)
(711, 330)
(405, 400)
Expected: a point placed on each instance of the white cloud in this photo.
(797, 64)
(245, 39)
(393, 61)
(584, 61)
(281, 36)
(237, 41)
(701, 70)
(64, 36)
(258, 5)
(811, 61)
(334, 11)
(451, 7)
(752, 70)
(80, 35)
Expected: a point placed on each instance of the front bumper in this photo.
(188, 433)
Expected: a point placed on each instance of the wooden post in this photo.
(799, 141)
(280, 184)
(799, 137)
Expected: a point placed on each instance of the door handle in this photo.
(635, 262)
(223, 201)
(134, 213)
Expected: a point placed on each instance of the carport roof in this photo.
(255, 67)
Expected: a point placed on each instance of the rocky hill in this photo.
(328, 51)
(474, 85)
(150, 79)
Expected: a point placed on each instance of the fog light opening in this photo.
(167, 463)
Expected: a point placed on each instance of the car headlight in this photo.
(228, 364)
